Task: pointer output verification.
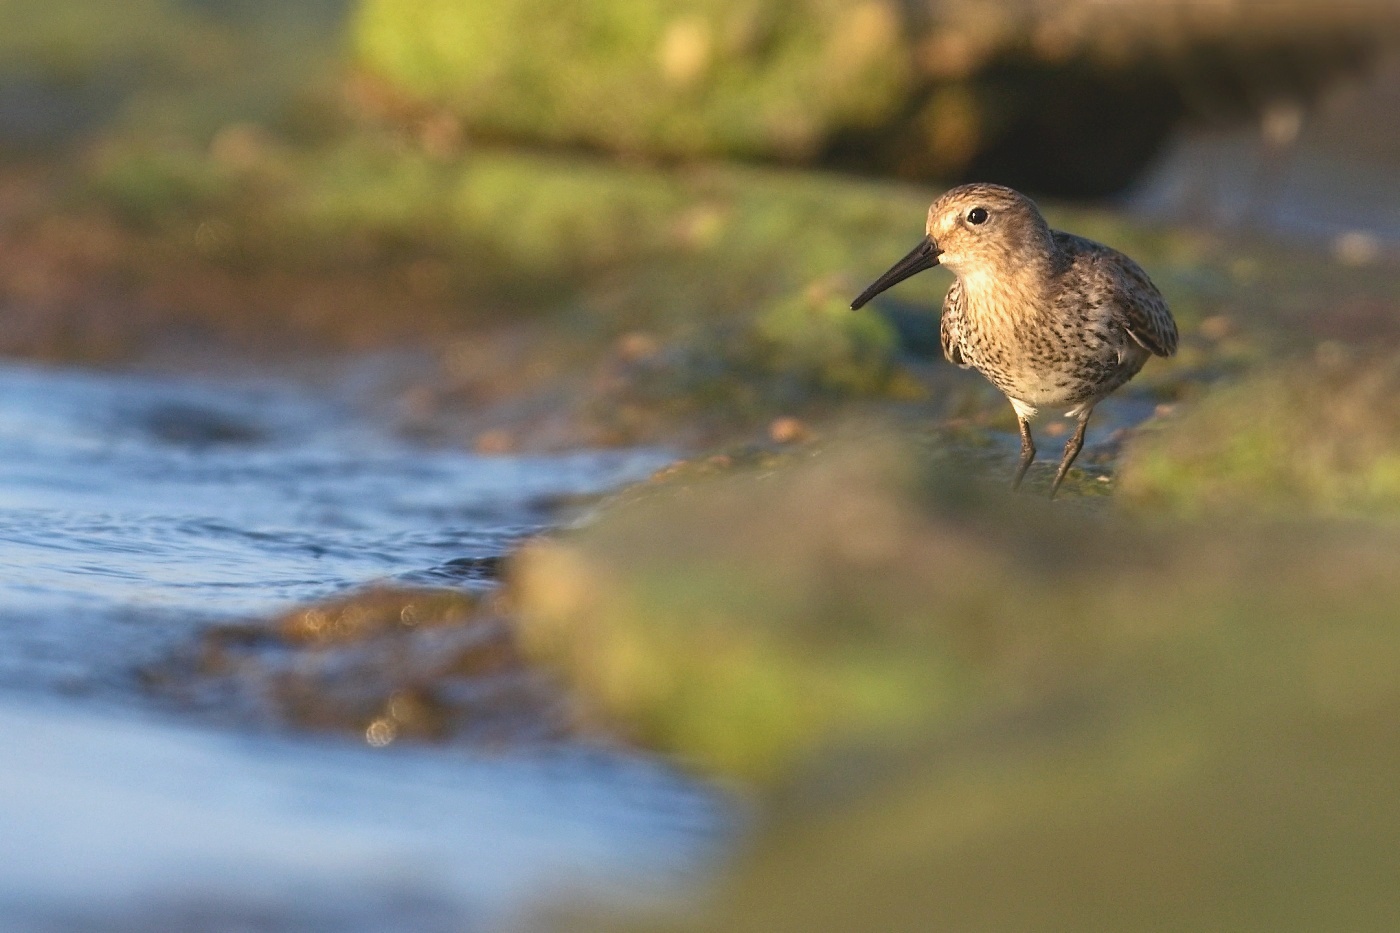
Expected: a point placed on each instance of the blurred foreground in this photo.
(985, 711)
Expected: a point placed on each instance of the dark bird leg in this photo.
(1027, 452)
(1071, 451)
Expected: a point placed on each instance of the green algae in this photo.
(847, 593)
(642, 302)
(1320, 436)
(1001, 713)
(719, 78)
(1207, 781)
(150, 188)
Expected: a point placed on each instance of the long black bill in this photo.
(924, 256)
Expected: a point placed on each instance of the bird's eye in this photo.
(977, 215)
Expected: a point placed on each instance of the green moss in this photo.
(739, 271)
(749, 622)
(815, 336)
(734, 652)
(1219, 782)
(934, 90)
(370, 191)
(155, 187)
(723, 76)
(549, 214)
(736, 278)
(1318, 437)
(990, 710)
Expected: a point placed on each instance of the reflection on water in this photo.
(129, 824)
(133, 511)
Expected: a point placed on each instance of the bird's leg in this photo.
(1027, 451)
(1071, 451)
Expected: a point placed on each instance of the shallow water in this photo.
(134, 511)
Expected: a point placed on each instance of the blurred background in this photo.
(321, 318)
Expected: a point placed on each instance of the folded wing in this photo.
(1113, 280)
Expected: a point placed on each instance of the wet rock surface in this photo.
(382, 665)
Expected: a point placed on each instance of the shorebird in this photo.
(1055, 321)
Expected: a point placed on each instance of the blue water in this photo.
(133, 512)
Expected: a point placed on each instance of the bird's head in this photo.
(971, 228)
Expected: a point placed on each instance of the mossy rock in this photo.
(723, 76)
(990, 712)
(757, 621)
(1320, 436)
(1073, 98)
(719, 641)
(1239, 779)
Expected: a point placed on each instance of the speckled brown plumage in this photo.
(1054, 320)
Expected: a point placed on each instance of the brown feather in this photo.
(949, 329)
(1109, 276)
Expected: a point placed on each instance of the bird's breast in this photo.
(1043, 359)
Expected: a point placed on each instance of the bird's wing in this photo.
(1146, 317)
(1114, 280)
(950, 328)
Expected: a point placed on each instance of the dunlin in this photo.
(1055, 321)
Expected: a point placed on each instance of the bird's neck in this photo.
(1016, 292)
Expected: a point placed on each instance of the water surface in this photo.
(133, 512)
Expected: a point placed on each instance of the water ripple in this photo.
(135, 511)
(235, 500)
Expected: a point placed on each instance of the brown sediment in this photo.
(384, 664)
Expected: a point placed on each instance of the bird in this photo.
(1056, 321)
